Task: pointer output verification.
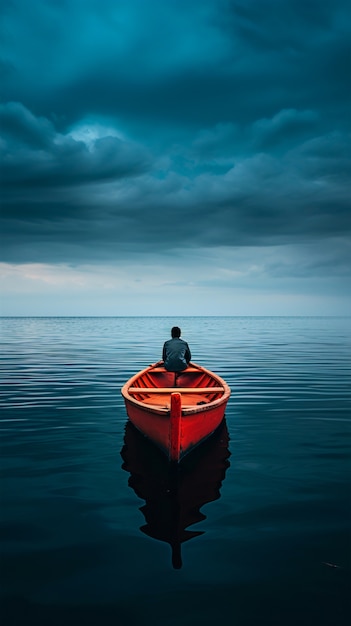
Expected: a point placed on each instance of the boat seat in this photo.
(163, 402)
(193, 390)
(163, 369)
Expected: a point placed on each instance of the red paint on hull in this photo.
(175, 426)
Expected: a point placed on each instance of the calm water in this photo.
(259, 518)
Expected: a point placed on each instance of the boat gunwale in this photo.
(190, 410)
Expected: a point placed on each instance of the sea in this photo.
(252, 529)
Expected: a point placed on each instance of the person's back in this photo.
(176, 352)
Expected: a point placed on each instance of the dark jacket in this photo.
(176, 355)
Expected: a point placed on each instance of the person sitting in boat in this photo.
(176, 352)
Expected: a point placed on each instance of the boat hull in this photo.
(176, 434)
(194, 428)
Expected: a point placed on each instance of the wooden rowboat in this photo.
(177, 411)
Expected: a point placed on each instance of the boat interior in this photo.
(195, 385)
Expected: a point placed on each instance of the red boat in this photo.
(176, 410)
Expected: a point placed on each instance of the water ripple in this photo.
(80, 364)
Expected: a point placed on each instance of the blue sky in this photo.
(172, 157)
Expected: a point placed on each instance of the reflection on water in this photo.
(174, 494)
(277, 548)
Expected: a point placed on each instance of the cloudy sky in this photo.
(175, 157)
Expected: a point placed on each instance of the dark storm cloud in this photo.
(163, 125)
(33, 154)
(260, 201)
(191, 64)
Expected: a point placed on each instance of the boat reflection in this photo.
(174, 494)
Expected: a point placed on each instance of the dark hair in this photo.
(175, 332)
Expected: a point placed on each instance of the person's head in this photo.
(175, 332)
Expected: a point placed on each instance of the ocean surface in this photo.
(260, 513)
